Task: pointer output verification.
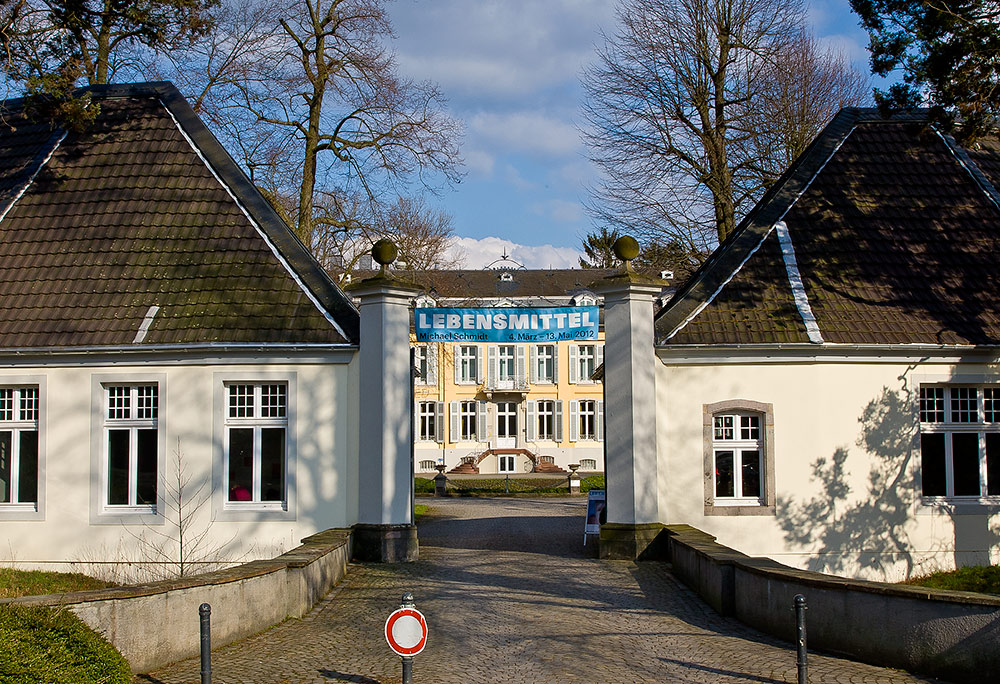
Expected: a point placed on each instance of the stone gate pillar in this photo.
(633, 519)
(385, 531)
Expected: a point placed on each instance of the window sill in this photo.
(280, 507)
(962, 505)
(738, 508)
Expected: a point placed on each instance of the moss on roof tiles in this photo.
(126, 216)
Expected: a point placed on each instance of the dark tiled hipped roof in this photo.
(887, 233)
(144, 209)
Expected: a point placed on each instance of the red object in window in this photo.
(239, 493)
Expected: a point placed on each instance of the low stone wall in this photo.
(953, 635)
(158, 623)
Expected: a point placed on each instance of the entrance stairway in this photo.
(470, 464)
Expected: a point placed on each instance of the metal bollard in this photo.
(205, 612)
(800, 628)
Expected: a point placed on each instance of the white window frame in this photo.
(468, 364)
(461, 411)
(429, 421)
(946, 411)
(24, 418)
(131, 414)
(544, 364)
(506, 363)
(538, 413)
(257, 422)
(586, 420)
(584, 359)
(739, 434)
(506, 463)
(763, 442)
(425, 364)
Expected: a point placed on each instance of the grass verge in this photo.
(982, 579)
(14, 583)
(42, 645)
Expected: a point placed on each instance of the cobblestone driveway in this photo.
(510, 596)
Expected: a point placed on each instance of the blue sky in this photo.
(510, 70)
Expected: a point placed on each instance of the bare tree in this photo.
(804, 88)
(323, 115)
(672, 112)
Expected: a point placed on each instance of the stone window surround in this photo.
(708, 412)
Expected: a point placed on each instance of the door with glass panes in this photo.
(506, 425)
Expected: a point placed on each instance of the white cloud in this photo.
(480, 253)
(526, 131)
(514, 177)
(478, 161)
(497, 48)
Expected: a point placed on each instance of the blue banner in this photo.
(506, 324)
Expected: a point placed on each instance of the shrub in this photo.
(985, 580)
(43, 645)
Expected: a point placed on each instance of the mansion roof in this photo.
(141, 231)
(883, 232)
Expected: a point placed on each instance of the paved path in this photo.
(510, 596)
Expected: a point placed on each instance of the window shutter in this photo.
(574, 364)
(479, 364)
(531, 417)
(520, 373)
(555, 363)
(454, 423)
(456, 360)
(416, 420)
(574, 420)
(439, 422)
(533, 359)
(558, 421)
(599, 421)
(491, 356)
(599, 355)
(432, 364)
(482, 434)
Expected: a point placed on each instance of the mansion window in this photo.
(583, 361)
(429, 421)
(960, 441)
(467, 364)
(736, 445)
(506, 366)
(131, 423)
(425, 364)
(588, 464)
(586, 420)
(544, 420)
(468, 421)
(544, 361)
(256, 419)
(18, 447)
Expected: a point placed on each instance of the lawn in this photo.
(982, 579)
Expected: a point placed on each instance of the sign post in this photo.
(406, 634)
(596, 499)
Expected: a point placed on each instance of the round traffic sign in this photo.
(406, 631)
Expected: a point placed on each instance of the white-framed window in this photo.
(19, 409)
(430, 419)
(256, 431)
(588, 464)
(468, 421)
(468, 366)
(544, 363)
(960, 441)
(425, 364)
(505, 463)
(131, 446)
(506, 364)
(586, 420)
(584, 299)
(583, 361)
(545, 420)
(737, 448)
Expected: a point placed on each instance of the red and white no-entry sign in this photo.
(406, 631)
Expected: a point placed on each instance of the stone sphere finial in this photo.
(626, 248)
(384, 252)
